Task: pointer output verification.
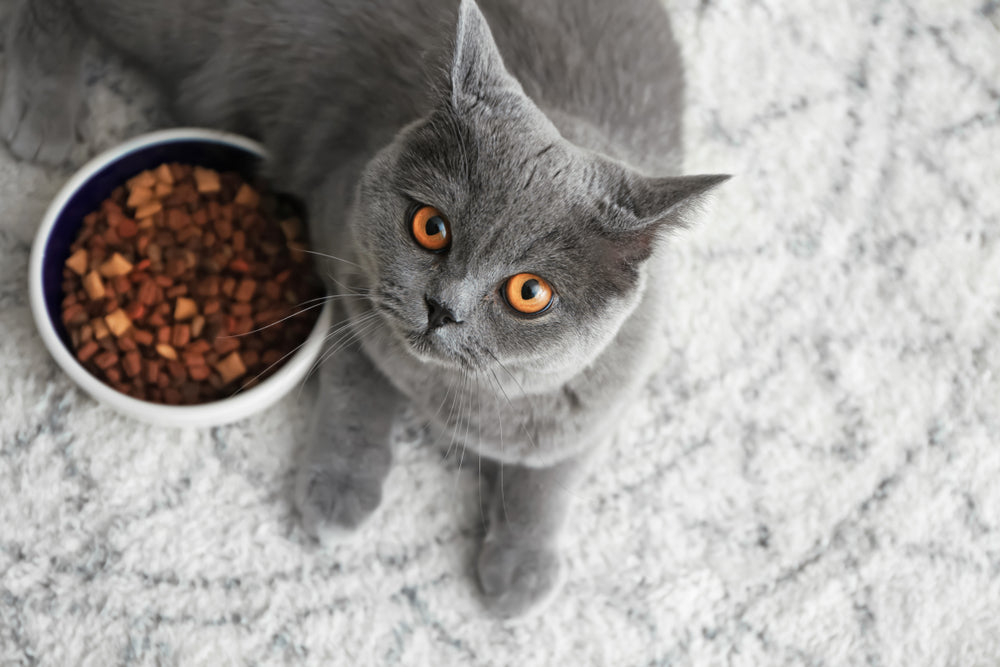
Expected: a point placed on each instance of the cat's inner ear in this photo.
(478, 74)
(640, 208)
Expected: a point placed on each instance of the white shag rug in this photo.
(813, 479)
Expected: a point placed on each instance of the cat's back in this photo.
(613, 64)
(607, 72)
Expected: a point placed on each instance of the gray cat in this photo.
(483, 177)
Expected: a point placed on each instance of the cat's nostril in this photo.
(439, 314)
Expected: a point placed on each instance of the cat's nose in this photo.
(439, 314)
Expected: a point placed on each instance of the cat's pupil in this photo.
(434, 226)
(530, 289)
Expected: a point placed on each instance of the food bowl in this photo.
(84, 193)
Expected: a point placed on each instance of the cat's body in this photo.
(368, 107)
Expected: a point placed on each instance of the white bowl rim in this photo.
(216, 413)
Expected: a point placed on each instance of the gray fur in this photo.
(537, 146)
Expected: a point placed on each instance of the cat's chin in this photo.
(426, 348)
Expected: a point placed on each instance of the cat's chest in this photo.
(487, 410)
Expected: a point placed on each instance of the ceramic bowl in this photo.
(84, 193)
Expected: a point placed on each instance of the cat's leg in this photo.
(340, 476)
(43, 82)
(520, 565)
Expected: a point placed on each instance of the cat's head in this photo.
(486, 237)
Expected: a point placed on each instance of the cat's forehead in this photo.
(503, 165)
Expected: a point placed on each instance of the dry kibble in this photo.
(184, 308)
(245, 290)
(172, 285)
(197, 325)
(94, 285)
(77, 262)
(291, 227)
(181, 335)
(144, 180)
(116, 266)
(231, 367)
(87, 351)
(118, 322)
(142, 337)
(297, 251)
(206, 180)
(132, 363)
(100, 329)
(247, 196)
(106, 360)
(139, 196)
(164, 175)
(148, 209)
(166, 351)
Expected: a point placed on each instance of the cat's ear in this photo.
(477, 72)
(641, 208)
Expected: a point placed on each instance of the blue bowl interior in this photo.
(88, 198)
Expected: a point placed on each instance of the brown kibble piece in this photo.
(148, 209)
(197, 326)
(132, 363)
(139, 196)
(87, 351)
(147, 293)
(144, 180)
(181, 335)
(207, 180)
(297, 251)
(225, 344)
(118, 322)
(184, 309)
(115, 266)
(127, 228)
(142, 337)
(247, 196)
(166, 352)
(199, 373)
(77, 262)
(163, 174)
(231, 368)
(291, 227)
(177, 219)
(100, 328)
(245, 290)
(162, 189)
(152, 369)
(94, 285)
(106, 360)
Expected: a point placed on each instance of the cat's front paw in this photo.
(332, 503)
(37, 121)
(518, 579)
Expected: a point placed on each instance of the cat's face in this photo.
(495, 227)
(485, 238)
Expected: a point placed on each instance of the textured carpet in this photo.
(812, 479)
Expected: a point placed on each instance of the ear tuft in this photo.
(477, 71)
(658, 201)
(643, 207)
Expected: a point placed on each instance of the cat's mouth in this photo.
(428, 346)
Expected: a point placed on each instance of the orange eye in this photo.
(528, 293)
(430, 229)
